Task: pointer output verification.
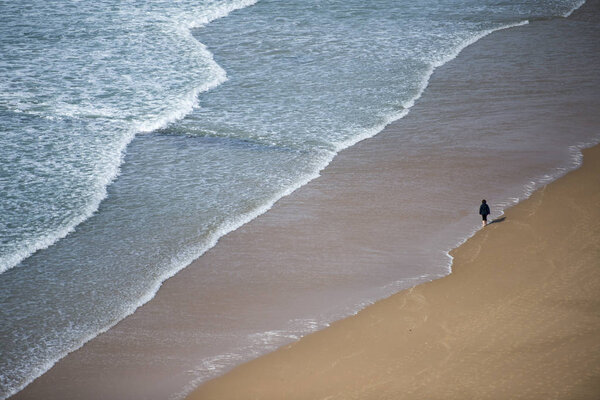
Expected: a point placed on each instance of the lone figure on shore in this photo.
(484, 211)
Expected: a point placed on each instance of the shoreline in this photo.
(517, 318)
(104, 346)
(291, 371)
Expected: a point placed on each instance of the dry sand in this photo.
(519, 318)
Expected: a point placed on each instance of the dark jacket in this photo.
(484, 209)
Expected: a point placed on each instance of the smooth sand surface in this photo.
(519, 318)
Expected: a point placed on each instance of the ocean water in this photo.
(133, 136)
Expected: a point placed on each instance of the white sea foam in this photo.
(575, 8)
(174, 112)
(408, 104)
(184, 25)
(30, 246)
(214, 13)
(187, 103)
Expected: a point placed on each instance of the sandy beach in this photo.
(517, 318)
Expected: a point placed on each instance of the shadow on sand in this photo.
(501, 219)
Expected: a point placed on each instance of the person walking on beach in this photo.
(484, 211)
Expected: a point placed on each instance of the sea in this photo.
(135, 134)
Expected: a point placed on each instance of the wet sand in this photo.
(517, 318)
(369, 221)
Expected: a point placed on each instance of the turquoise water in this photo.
(134, 135)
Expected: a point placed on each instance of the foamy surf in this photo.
(178, 108)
